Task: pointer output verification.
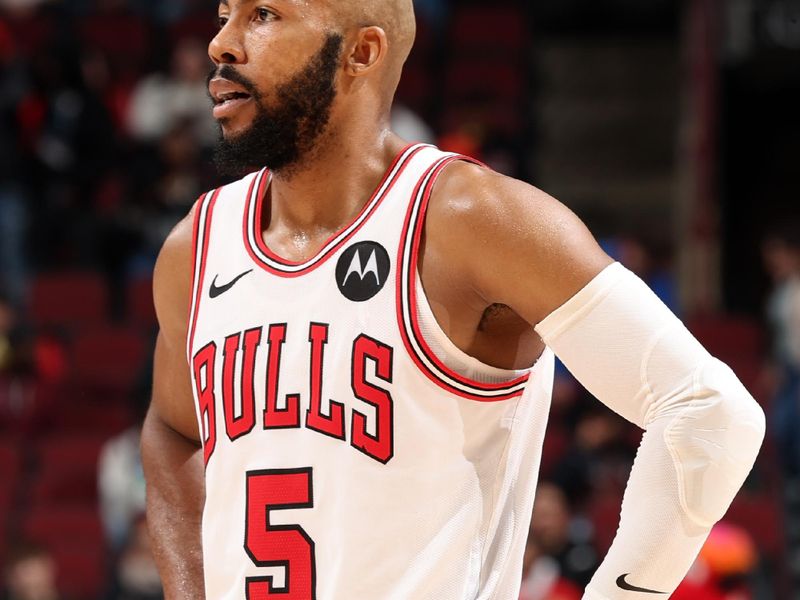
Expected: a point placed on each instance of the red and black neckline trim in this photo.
(274, 264)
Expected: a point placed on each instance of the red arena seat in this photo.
(71, 451)
(139, 302)
(108, 358)
(485, 29)
(197, 26)
(65, 488)
(482, 79)
(728, 336)
(67, 471)
(56, 525)
(68, 300)
(81, 569)
(415, 87)
(82, 414)
(760, 515)
(74, 536)
(123, 38)
(10, 462)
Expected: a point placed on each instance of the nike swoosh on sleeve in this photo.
(624, 585)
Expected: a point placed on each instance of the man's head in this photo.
(780, 249)
(289, 73)
(31, 573)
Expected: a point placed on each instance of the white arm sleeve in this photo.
(703, 429)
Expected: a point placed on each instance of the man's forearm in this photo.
(173, 467)
(656, 542)
(703, 428)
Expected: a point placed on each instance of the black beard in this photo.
(283, 134)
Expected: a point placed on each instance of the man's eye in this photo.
(222, 21)
(264, 14)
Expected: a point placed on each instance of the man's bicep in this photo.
(520, 246)
(558, 257)
(173, 402)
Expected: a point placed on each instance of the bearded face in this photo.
(285, 128)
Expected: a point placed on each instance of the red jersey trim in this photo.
(415, 344)
(201, 237)
(271, 262)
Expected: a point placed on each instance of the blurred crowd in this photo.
(105, 129)
(105, 138)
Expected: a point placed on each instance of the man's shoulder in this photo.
(470, 199)
(176, 256)
(173, 269)
(508, 240)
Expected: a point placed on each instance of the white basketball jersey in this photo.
(352, 451)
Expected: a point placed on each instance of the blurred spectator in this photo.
(73, 145)
(13, 226)
(121, 486)
(781, 252)
(161, 101)
(410, 126)
(464, 140)
(557, 534)
(136, 576)
(541, 577)
(50, 359)
(600, 456)
(21, 6)
(13, 211)
(180, 183)
(434, 12)
(168, 183)
(7, 324)
(650, 261)
(722, 569)
(30, 574)
(22, 402)
(18, 349)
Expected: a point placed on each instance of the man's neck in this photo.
(329, 189)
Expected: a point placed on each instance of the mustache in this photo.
(231, 74)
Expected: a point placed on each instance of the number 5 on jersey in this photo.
(287, 546)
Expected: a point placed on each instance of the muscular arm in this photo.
(514, 245)
(171, 452)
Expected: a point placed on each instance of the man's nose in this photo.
(226, 47)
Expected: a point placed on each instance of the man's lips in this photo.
(228, 108)
(228, 97)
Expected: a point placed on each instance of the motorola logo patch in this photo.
(362, 271)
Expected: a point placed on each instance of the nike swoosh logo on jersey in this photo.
(216, 292)
(624, 585)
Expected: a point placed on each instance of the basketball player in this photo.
(355, 362)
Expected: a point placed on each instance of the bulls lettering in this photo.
(204, 362)
(235, 426)
(333, 424)
(379, 446)
(274, 417)
(371, 362)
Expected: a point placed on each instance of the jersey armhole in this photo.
(410, 295)
(201, 234)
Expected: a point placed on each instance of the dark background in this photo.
(670, 127)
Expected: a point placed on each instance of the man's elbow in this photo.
(714, 442)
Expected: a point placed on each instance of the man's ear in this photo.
(368, 52)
